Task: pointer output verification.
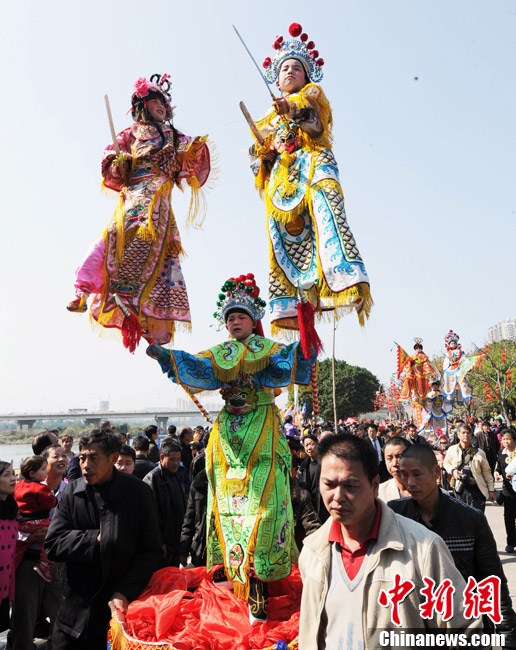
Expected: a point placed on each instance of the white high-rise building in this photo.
(505, 330)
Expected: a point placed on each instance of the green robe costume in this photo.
(248, 462)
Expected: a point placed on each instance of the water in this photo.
(15, 453)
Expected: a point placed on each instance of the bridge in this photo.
(94, 418)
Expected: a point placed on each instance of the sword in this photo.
(274, 98)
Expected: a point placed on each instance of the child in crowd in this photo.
(35, 501)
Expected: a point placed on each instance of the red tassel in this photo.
(310, 341)
(259, 328)
(131, 332)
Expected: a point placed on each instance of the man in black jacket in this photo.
(105, 529)
(142, 465)
(464, 530)
(308, 475)
(168, 487)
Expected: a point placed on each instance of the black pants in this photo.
(509, 518)
(473, 497)
(93, 640)
(33, 598)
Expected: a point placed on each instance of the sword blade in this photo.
(254, 61)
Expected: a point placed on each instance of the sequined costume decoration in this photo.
(248, 461)
(311, 245)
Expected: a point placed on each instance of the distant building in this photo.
(505, 330)
(104, 406)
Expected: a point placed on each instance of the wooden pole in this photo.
(335, 425)
(111, 125)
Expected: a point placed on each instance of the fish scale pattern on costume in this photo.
(300, 252)
(336, 200)
(169, 291)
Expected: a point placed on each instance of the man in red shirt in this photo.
(353, 565)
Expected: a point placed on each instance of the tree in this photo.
(355, 390)
(492, 382)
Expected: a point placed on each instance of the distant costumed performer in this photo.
(311, 247)
(456, 366)
(248, 461)
(418, 374)
(133, 269)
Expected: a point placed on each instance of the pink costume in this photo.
(137, 257)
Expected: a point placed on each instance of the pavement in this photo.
(494, 514)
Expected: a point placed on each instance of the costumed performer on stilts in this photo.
(248, 461)
(133, 270)
(311, 246)
(456, 366)
(418, 374)
(435, 421)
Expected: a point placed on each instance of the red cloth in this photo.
(185, 608)
(32, 496)
(353, 559)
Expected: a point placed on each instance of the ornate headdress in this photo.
(418, 341)
(301, 49)
(160, 84)
(451, 337)
(240, 293)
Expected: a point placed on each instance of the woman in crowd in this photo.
(508, 495)
(8, 534)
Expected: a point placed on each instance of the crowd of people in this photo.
(110, 533)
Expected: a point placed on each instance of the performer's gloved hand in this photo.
(166, 160)
(282, 106)
(121, 166)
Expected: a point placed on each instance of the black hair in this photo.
(3, 466)
(508, 431)
(31, 464)
(45, 453)
(42, 441)
(8, 506)
(151, 430)
(141, 443)
(169, 446)
(126, 450)
(353, 449)
(422, 453)
(398, 440)
(184, 430)
(108, 441)
(171, 429)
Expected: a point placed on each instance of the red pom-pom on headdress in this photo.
(303, 37)
(295, 29)
(310, 45)
(266, 62)
(320, 62)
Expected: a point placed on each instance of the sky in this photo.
(423, 95)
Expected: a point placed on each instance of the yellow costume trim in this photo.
(311, 96)
(197, 208)
(239, 487)
(246, 363)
